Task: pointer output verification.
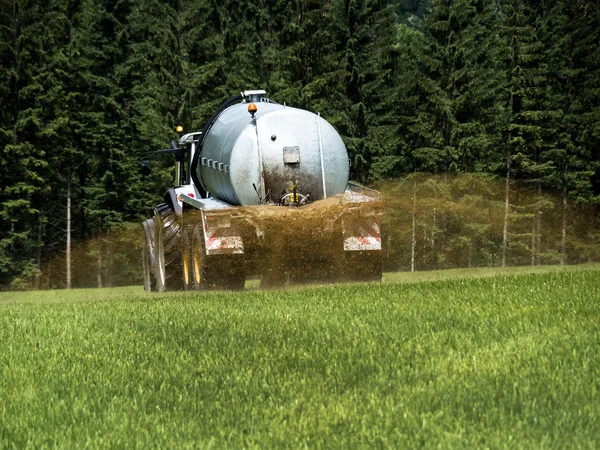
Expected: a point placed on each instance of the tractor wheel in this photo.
(167, 258)
(363, 265)
(148, 256)
(187, 264)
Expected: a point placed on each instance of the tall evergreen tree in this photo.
(523, 129)
(202, 38)
(310, 66)
(583, 18)
(61, 100)
(25, 27)
(410, 105)
(564, 32)
(367, 108)
(465, 47)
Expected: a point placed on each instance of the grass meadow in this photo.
(453, 359)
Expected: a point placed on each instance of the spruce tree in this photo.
(202, 36)
(565, 33)
(25, 27)
(367, 108)
(583, 23)
(61, 101)
(464, 64)
(524, 119)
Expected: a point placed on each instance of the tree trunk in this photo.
(538, 237)
(563, 243)
(470, 261)
(414, 229)
(108, 281)
(433, 232)
(38, 255)
(533, 240)
(69, 233)
(99, 269)
(506, 213)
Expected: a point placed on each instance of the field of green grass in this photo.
(453, 359)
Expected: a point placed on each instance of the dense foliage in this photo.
(507, 88)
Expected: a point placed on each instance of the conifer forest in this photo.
(479, 120)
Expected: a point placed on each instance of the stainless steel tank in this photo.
(249, 157)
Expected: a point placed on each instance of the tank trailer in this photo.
(262, 190)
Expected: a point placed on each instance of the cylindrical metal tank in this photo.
(247, 158)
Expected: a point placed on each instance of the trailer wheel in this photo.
(148, 256)
(167, 258)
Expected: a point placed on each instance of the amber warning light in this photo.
(252, 109)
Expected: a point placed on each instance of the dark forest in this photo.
(503, 95)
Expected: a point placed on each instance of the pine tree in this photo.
(464, 56)
(310, 71)
(566, 33)
(25, 25)
(154, 69)
(586, 55)
(202, 46)
(526, 133)
(581, 86)
(367, 113)
(60, 102)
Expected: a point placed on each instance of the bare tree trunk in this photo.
(69, 233)
(533, 240)
(109, 260)
(470, 262)
(506, 213)
(538, 237)
(99, 269)
(534, 229)
(425, 240)
(433, 232)
(38, 256)
(414, 228)
(563, 243)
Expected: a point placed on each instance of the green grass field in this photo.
(454, 359)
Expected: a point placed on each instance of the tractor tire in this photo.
(187, 264)
(148, 256)
(214, 272)
(167, 258)
(363, 266)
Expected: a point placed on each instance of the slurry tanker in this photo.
(261, 191)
